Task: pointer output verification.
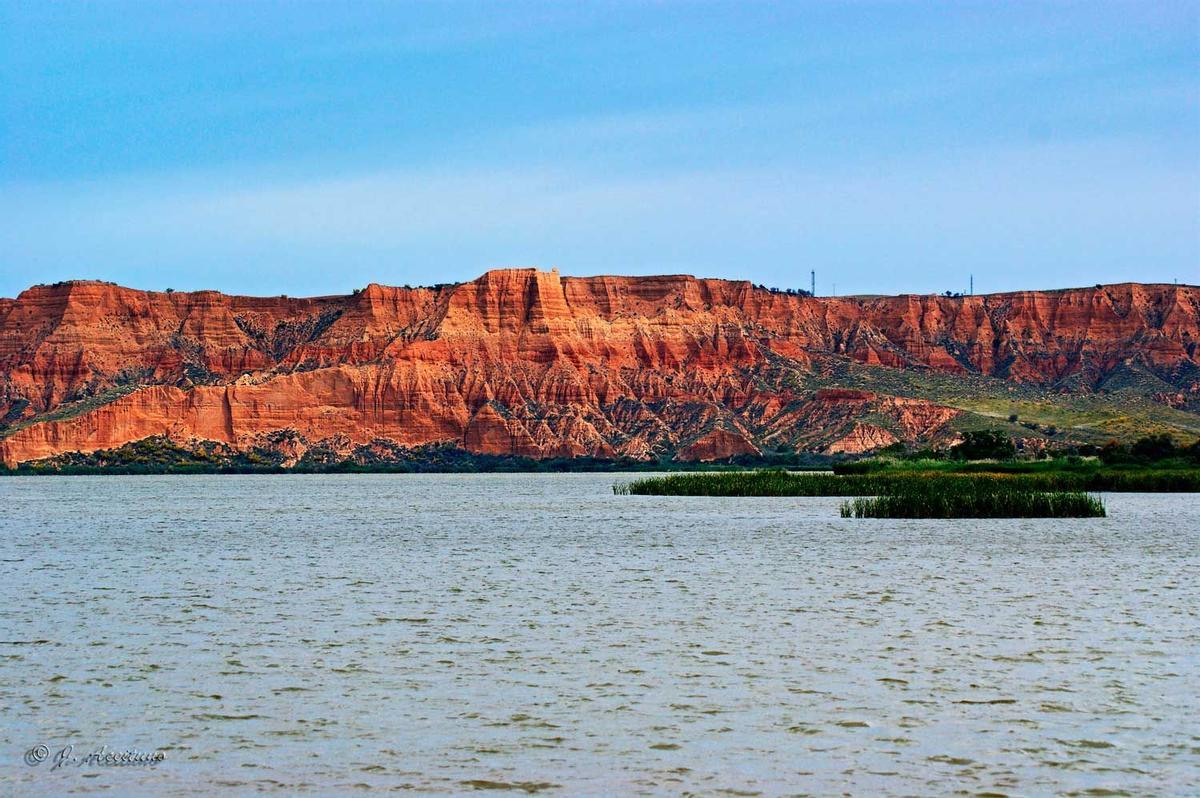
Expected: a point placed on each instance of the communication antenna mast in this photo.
(971, 290)
(812, 281)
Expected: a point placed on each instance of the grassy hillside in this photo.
(987, 403)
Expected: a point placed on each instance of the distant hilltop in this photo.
(524, 362)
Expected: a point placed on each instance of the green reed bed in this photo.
(1117, 481)
(757, 483)
(743, 483)
(876, 483)
(1050, 475)
(895, 495)
(783, 483)
(975, 499)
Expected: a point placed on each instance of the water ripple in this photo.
(337, 635)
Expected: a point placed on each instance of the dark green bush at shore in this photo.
(1151, 449)
(984, 444)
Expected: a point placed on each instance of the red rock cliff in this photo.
(526, 362)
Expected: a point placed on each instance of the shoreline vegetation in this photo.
(1152, 464)
(923, 487)
(917, 494)
(975, 499)
(161, 455)
(784, 483)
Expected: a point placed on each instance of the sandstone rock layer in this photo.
(526, 362)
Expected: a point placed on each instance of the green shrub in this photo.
(984, 445)
(1154, 447)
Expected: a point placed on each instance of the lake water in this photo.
(333, 635)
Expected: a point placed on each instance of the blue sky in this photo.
(313, 147)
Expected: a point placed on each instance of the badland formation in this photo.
(525, 362)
